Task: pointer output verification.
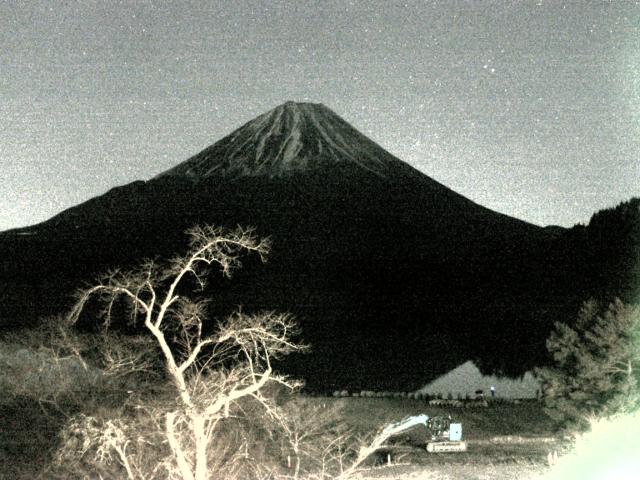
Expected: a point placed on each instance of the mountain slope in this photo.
(393, 277)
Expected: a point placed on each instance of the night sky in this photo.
(531, 108)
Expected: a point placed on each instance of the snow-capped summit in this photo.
(290, 138)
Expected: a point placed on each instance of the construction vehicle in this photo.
(436, 434)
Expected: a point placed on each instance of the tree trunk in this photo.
(174, 444)
(200, 438)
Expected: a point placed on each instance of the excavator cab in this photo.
(438, 428)
(445, 435)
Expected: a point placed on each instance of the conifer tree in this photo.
(596, 364)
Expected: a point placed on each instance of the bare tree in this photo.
(209, 373)
(365, 452)
(64, 369)
(317, 441)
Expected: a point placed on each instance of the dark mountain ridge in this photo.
(393, 277)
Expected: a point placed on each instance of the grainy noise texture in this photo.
(529, 108)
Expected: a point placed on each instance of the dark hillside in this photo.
(394, 277)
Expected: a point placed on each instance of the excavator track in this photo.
(442, 447)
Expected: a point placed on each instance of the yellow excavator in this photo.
(437, 434)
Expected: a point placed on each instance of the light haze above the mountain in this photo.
(530, 109)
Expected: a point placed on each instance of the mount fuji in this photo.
(291, 138)
(393, 277)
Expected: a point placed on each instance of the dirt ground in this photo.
(497, 458)
(504, 441)
(452, 472)
(505, 457)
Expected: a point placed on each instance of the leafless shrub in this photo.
(61, 368)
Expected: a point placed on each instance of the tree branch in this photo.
(194, 355)
(236, 394)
